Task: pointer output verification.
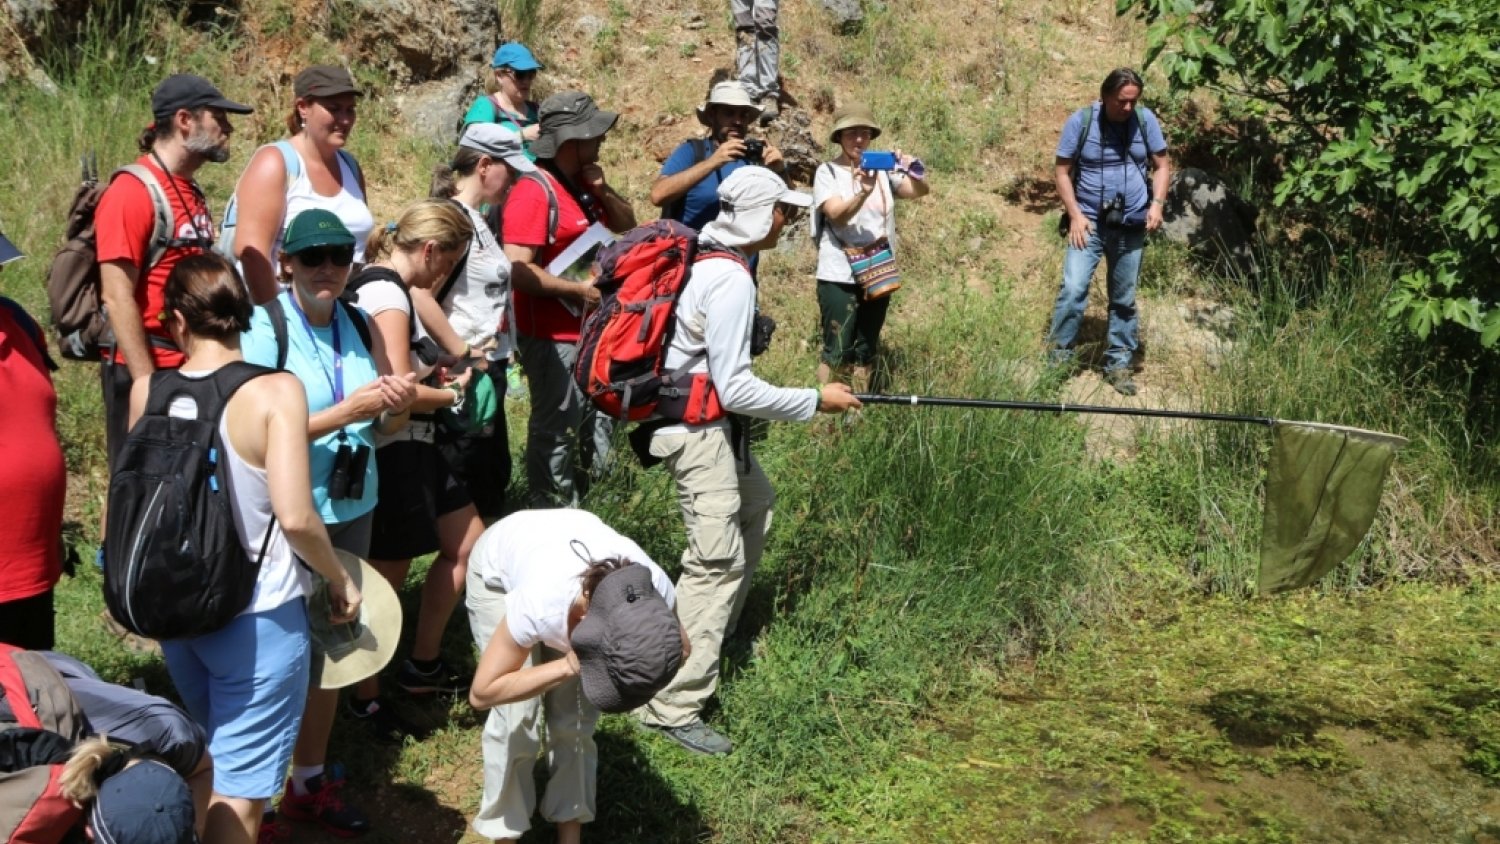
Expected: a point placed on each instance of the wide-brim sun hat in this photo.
(852, 116)
(747, 199)
(569, 116)
(629, 643)
(315, 227)
(730, 93)
(344, 654)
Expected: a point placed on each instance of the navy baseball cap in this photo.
(147, 803)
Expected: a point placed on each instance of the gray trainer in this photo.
(695, 736)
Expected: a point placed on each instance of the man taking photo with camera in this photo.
(687, 189)
(1109, 206)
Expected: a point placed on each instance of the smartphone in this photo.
(874, 160)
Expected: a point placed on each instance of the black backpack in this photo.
(173, 563)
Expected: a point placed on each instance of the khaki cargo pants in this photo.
(727, 508)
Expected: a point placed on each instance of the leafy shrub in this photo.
(1386, 109)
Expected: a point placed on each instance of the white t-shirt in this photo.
(533, 556)
(479, 306)
(376, 297)
(875, 219)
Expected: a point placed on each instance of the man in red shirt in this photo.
(549, 309)
(190, 126)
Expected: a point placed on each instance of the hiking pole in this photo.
(1058, 407)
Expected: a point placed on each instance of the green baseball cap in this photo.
(315, 227)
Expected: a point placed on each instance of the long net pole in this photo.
(1057, 407)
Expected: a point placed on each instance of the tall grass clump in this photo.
(1322, 352)
(911, 547)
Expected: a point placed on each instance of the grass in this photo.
(966, 627)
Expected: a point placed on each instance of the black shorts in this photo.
(416, 487)
(28, 622)
(482, 460)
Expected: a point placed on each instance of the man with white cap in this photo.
(688, 188)
(725, 496)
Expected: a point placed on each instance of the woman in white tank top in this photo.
(246, 682)
(309, 170)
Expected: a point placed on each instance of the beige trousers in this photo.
(727, 508)
(512, 739)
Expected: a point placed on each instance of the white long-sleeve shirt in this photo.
(714, 316)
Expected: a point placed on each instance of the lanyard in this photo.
(336, 383)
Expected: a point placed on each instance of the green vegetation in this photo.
(970, 626)
(1387, 104)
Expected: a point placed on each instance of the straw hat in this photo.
(344, 654)
(852, 115)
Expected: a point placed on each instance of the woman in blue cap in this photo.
(507, 99)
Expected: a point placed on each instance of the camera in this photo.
(755, 151)
(347, 480)
(762, 329)
(1114, 212)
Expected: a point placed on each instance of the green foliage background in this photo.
(1387, 112)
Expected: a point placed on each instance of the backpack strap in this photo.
(1083, 138)
(277, 315)
(163, 224)
(552, 207)
(372, 274)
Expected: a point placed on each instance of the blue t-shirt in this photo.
(701, 204)
(312, 362)
(1114, 159)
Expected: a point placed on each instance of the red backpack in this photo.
(40, 722)
(622, 352)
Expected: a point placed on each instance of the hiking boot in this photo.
(1120, 379)
(770, 108)
(695, 736)
(382, 719)
(440, 680)
(323, 805)
(272, 831)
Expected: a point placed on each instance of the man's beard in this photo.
(201, 144)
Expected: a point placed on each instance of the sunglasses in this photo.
(317, 256)
(521, 74)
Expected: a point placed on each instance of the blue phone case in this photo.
(874, 160)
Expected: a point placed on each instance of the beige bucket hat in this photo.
(850, 116)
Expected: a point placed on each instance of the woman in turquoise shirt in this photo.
(507, 100)
(308, 331)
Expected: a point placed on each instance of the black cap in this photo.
(324, 80)
(185, 90)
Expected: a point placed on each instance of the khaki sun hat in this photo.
(344, 654)
(850, 116)
(729, 93)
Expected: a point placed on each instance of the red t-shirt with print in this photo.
(31, 467)
(524, 223)
(123, 224)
